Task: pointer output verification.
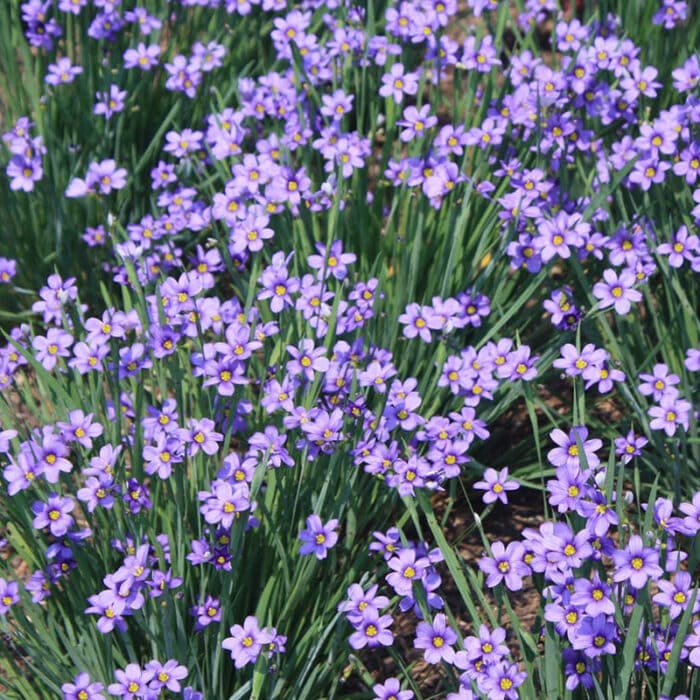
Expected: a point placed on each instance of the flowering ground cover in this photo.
(299, 299)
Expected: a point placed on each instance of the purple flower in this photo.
(332, 262)
(567, 453)
(136, 496)
(505, 564)
(83, 689)
(577, 668)
(111, 609)
(109, 103)
(629, 446)
(659, 383)
(337, 105)
(54, 514)
(648, 172)
(436, 639)
(21, 472)
(225, 502)
(142, 57)
(682, 246)
(669, 414)
(568, 489)
(416, 122)
(277, 284)
(97, 492)
(200, 435)
(594, 596)
(167, 675)
(62, 72)
(676, 595)
(9, 595)
(207, 612)
(80, 428)
(617, 291)
(636, 563)
(692, 512)
(502, 681)
(8, 269)
(132, 682)
(556, 235)
(418, 321)
(133, 359)
(397, 83)
(372, 631)
(671, 13)
(359, 601)
(318, 538)
(692, 360)
(246, 642)
(519, 365)
(307, 359)
(574, 362)
(391, 690)
(102, 177)
(145, 22)
(496, 484)
(52, 346)
(188, 141)
(106, 176)
(596, 636)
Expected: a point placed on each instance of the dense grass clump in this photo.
(298, 298)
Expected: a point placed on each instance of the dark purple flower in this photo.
(207, 612)
(596, 636)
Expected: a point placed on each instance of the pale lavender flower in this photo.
(617, 291)
(496, 484)
(63, 71)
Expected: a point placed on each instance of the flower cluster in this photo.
(25, 166)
